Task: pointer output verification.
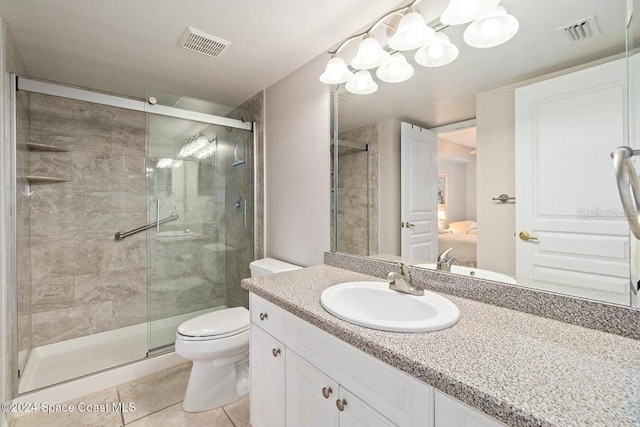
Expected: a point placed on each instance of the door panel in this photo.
(267, 387)
(419, 207)
(358, 414)
(566, 194)
(306, 403)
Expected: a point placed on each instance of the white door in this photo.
(356, 413)
(267, 356)
(311, 395)
(566, 196)
(418, 181)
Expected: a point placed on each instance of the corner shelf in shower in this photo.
(34, 179)
(32, 146)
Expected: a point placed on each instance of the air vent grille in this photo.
(203, 43)
(581, 30)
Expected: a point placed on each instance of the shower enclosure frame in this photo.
(18, 83)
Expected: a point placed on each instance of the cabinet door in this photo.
(356, 413)
(311, 395)
(452, 413)
(267, 362)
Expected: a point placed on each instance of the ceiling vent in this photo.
(203, 43)
(582, 29)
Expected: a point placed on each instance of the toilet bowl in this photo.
(218, 345)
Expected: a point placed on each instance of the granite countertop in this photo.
(521, 369)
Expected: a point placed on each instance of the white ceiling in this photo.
(125, 46)
(437, 96)
(465, 137)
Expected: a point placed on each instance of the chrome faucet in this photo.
(402, 282)
(445, 260)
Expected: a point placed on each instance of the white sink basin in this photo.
(478, 273)
(373, 305)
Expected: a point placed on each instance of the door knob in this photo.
(341, 403)
(275, 352)
(524, 235)
(263, 316)
(410, 225)
(326, 392)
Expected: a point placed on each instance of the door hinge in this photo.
(19, 373)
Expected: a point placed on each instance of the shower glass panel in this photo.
(91, 166)
(82, 295)
(200, 176)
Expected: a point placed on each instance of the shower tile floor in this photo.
(158, 400)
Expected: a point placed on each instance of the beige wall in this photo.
(496, 175)
(456, 209)
(472, 196)
(297, 166)
(389, 185)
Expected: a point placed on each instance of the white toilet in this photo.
(218, 345)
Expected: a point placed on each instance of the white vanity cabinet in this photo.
(317, 380)
(267, 354)
(451, 412)
(315, 400)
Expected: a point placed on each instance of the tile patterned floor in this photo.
(235, 414)
(158, 400)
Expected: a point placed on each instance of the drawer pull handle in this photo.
(326, 392)
(275, 352)
(341, 403)
(263, 316)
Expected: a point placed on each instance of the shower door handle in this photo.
(628, 185)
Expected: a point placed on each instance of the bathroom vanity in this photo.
(494, 367)
(308, 377)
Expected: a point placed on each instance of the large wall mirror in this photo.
(501, 156)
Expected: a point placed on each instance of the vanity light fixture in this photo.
(492, 29)
(370, 54)
(438, 52)
(362, 83)
(491, 26)
(463, 11)
(395, 70)
(412, 32)
(336, 72)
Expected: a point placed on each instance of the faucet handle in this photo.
(444, 255)
(404, 269)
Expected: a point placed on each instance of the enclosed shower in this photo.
(131, 217)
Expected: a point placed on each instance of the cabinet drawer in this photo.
(400, 398)
(267, 316)
(453, 413)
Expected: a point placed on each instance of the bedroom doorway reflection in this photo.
(456, 193)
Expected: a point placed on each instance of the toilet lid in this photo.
(219, 322)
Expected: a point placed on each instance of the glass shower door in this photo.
(200, 191)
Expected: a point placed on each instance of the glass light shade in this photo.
(396, 70)
(336, 72)
(370, 55)
(438, 52)
(463, 11)
(412, 33)
(362, 83)
(492, 30)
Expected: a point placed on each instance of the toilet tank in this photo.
(262, 267)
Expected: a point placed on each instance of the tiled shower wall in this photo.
(80, 281)
(23, 221)
(84, 282)
(357, 207)
(240, 184)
